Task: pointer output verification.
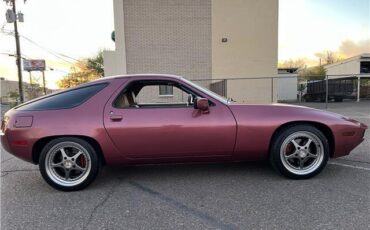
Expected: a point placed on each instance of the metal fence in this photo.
(335, 88)
(292, 89)
(254, 90)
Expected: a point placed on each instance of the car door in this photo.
(169, 130)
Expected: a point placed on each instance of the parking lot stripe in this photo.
(349, 166)
(204, 216)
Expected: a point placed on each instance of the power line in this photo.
(47, 50)
(55, 52)
(52, 52)
(10, 32)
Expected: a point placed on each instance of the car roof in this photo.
(149, 76)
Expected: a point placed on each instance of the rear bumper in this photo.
(17, 145)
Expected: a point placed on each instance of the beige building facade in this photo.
(200, 40)
(9, 91)
(7, 88)
(352, 66)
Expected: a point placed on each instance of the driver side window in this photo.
(144, 94)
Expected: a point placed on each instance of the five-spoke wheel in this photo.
(69, 163)
(299, 151)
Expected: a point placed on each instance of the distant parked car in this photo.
(140, 119)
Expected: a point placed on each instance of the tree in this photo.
(14, 95)
(304, 72)
(328, 57)
(299, 64)
(83, 71)
(97, 63)
(313, 73)
(33, 90)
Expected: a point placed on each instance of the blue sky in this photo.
(345, 13)
(338, 9)
(306, 27)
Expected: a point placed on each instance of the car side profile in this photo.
(144, 119)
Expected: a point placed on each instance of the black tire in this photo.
(91, 159)
(338, 99)
(284, 166)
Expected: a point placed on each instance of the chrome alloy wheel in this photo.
(68, 164)
(302, 153)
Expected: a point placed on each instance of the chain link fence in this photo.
(323, 91)
(254, 90)
(335, 89)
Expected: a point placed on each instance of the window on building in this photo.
(365, 67)
(165, 90)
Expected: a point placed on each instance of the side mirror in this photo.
(202, 104)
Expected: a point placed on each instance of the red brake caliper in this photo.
(82, 161)
(289, 148)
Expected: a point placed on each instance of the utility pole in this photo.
(43, 81)
(18, 47)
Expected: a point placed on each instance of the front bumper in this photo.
(348, 138)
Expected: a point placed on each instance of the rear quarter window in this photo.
(64, 100)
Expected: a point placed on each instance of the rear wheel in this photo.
(299, 152)
(69, 163)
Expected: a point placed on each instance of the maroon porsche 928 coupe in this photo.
(137, 119)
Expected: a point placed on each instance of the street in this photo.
(197, 196)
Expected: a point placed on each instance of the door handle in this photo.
(116, 117)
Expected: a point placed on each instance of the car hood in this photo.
(285, 112)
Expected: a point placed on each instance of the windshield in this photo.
(207, 91)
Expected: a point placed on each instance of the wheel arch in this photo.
(320, 126)
(40, 144)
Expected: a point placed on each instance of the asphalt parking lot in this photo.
(197, 196)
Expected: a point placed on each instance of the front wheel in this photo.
(69, 164)
(299, 152)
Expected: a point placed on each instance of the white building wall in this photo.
(115, 61)
(346, 68)
(287, 87)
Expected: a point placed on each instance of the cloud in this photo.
(351, 48)
(346, 49)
